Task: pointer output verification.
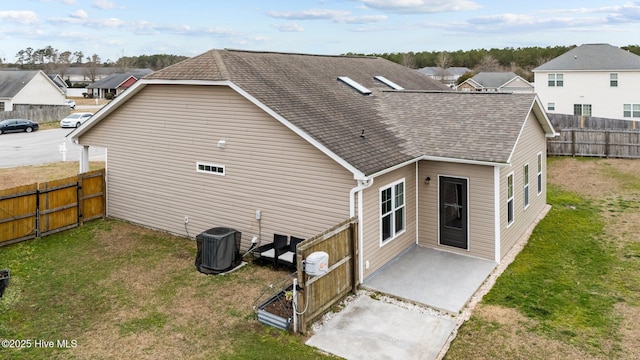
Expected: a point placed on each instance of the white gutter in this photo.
(362, 184)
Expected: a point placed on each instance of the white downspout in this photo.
(362, 184)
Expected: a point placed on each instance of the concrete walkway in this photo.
(438, 279)
(376, 329)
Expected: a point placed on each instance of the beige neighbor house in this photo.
(310, 141)
(496, 81)
(24, 90)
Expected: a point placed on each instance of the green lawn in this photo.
(120, 291)
(574, 290)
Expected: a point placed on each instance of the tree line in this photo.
(52, 60)
(519, 60)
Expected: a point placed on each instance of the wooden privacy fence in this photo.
(37, 210)
(598, 143)
(321, 292)
(564, 121)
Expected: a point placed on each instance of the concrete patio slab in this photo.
(376, 329)
(438, 279)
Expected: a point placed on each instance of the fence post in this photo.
(353, 234)
(573, 143)
(80, 196)
(607, 143)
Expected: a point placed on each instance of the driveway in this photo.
(41, 147)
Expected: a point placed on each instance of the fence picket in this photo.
(36, 210)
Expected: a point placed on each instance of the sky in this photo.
(115, 28)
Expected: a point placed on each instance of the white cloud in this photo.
(289, 27)
(79, 14)
(420, 6)
(364, 19)
(336, 16)
(311, 14)
(104, 4)
(20, 17)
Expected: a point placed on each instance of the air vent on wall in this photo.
(363, 90)
(388, 82)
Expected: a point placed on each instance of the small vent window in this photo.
(210, 168)
(363, 90)
(388, 82)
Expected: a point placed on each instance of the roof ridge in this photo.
(222, 67)
(301, 54)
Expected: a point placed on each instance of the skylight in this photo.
(363, 90)
(388, 82)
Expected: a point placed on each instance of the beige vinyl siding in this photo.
(532, 141)
(155, 139)
(375, 254)
(480, 201)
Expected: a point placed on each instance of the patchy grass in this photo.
(574, 290)
(122, 291)
(12, 177)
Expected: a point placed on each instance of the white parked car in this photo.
(75, 120)
(71, 103)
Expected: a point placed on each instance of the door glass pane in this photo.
(453, 205)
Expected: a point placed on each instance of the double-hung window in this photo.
(392, 211)
(556, 80)
(582, 109)
(539, 174)
(525, 185)
(613, 80)
(510, 199)
(631, 110)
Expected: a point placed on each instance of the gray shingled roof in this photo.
(603, 57)
(113, 81)
(398, 125)
(460, 125)
(493, 79)
(11, 82)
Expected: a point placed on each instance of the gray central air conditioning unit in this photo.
(218, 250)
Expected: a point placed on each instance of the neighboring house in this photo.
(497, 82)
(27, 89)
(116, 84)
(57, 79)
(311, 140)
(447, 76)
(597, 80)
(82, 75)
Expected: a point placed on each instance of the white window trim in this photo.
(555, 79)
(631, 111)
(217, 166)
(539, 174)
(393, 206)
(509, 199)
(613, 77)
(526, 193)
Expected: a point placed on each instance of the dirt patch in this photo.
(506, 334)
(590, 177)
(23, 175)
